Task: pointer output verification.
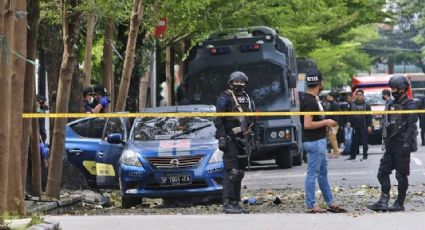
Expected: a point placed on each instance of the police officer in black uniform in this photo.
(232, 133)
(400, 142)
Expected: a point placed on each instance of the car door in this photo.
(82, 143)
(107, 157)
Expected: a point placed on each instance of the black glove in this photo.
(221, 143)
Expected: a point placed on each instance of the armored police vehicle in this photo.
(269, 61)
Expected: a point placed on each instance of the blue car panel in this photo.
(81, 152)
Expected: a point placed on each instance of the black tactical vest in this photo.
(240, 103)
(395, 122)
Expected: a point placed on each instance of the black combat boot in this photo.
(238, 206)
(381, 205)
(396, 207)
(230, 208)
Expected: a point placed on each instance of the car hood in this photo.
(178, 147)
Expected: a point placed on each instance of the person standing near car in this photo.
(348, 131)
(231, 133)
(314, 143)
(333, 131)
(95, 99)
(362, 126)
(400, 142)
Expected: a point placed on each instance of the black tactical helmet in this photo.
(237, 76)
(399, 82)
(99, 89)
(88, 91)
(41, 98)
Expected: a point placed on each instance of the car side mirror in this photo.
(292, 80)
(115, 138)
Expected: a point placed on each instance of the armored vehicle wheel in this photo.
(284, 158)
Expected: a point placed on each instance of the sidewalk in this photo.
(375, 221)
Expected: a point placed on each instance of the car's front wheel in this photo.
(128, 202)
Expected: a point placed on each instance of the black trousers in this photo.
(395, 157)
(359, 138)
(234, 172)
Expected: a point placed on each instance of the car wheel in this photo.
(128, 202)
(298, 160)
(305, 157)
(284, 158)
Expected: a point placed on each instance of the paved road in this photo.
(396, 221)
(341, 172)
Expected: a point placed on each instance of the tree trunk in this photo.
(107, 61)
(70, 32)
(15, 193)
(35, 159)
(76, 104)
(168, 75)
(6, 32)
(390, 66)
(185, 62)
(91, 19)
(129, 54)
(144, 85)
(29, 88)
(51, 52)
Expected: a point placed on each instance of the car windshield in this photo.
(374, 98)
(165, 128)
(264, 86)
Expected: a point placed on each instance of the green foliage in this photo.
(414, 10)
(50, 11)
(330, 31)
(340, 62)
(36, 218)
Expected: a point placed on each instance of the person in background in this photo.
(362, 126)
(102, 97)
(95, 99)
(333, 131)
(348, 131)
(42, 108)
(421, 106)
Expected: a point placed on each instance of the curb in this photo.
(45, 226)
(45, 206)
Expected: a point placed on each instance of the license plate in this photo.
(175, 180)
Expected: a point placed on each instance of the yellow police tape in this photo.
(211, 114)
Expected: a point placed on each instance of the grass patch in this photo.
(36, 218)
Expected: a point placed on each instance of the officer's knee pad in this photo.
(241, 174)
(381, 175)
(400, 177)
(234, 175)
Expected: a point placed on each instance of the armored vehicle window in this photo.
(265, 83)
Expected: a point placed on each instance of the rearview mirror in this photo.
(292, 81)
(115, 138)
